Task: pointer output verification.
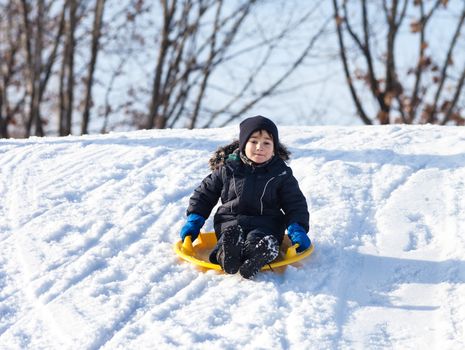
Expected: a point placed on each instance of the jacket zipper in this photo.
(235, 191)
(264, 189)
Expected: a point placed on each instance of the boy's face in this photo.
(259, 147)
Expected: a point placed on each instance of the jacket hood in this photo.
(221, 154)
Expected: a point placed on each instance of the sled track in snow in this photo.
(86, 258)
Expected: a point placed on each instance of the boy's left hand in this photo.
(297, 235)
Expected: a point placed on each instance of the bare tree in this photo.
(96, 33)
(9, 67)
(40, 56)
(33, 30)
(400, 94)
(202, 63)
(198, 37)
(41, 40)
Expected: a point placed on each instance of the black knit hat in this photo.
(248, 126)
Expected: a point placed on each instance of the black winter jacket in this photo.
(256, 197)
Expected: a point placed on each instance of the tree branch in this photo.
(447, 62)
(342, 52)
(284, 76)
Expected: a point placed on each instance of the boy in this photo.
(260, 198)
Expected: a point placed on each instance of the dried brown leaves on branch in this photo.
(428, 91)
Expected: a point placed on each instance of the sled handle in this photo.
(187, 245)
(291, 251)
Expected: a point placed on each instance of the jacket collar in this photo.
(231, 151)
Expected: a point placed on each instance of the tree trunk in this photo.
(67, 73)
(3, 118)
(96, 32)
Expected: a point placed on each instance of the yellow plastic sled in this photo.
(197, 253)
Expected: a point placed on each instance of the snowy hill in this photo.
(87, 226)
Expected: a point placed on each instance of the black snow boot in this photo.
(264, 252)
(229, 254)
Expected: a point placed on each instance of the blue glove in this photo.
(297, 235)
(192, 226)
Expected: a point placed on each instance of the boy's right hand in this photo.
(192, 226)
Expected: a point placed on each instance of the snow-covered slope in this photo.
(87, 226)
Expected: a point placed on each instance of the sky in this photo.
(88, 224)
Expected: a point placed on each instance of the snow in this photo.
(87, 226)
